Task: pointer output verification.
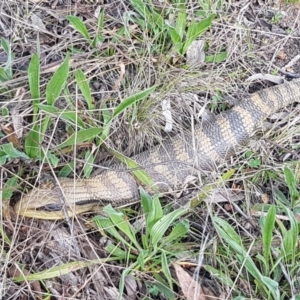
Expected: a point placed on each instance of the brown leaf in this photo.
(190, 288)
(11, 135)
(265, 198)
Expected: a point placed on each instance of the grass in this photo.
(105, 95)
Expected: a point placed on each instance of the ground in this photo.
(240, 240)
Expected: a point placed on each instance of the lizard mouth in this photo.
(45, 204)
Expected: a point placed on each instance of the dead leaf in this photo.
(11, 135)
(224, 195)
(281, 55)
(195, 53)
(38, 22)
(265, 198)
(190, 288)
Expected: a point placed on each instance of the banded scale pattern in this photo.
(167, 164)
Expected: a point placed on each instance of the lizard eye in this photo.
(52, 207)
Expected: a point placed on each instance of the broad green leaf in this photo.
(107, 225)
(293, 223)
(80, 27)
(119, 220)
(3, 75)
(99, 38)
(216, 58)
(84, 88)
(195, 30)
(272, 286)
(267, 234)
(88, 167)
(174, 36)
(161, 226)
(291, 180)
(155, 214)
(67, 169)
(6, 46)
(288, 244)
(33, 143)
(8, 66)
(74, 118)
(166, 269)
(146, 201)
(9, 187)
(152, 209)
(217, 273)
(57, 82)
(34, 83)
(162, 287)
(5, 112)
(48, 108)
(61, 270)
(51, 158)
(131, 100)
(141, 259)
(230, 232)
(119, 253)
(13, 152)
(178, 231)
(234, 242)
(181, 24)
(66, 115)
(3, 158)
(141, 8)
(80, 137)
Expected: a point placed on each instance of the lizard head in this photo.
(44, 202)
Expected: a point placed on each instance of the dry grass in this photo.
(117, 70)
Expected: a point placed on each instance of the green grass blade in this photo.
(104, 223)
(161, 226)
(8, 67)
(195, 30)
(267, 235)
(3, 75)
(131, 100)
(80, 27)
(57, 82)
(61, 270)
(216, 58)
(178, 231)
(99, 38)
(34, 83)
(155, 214)
(84, 88)
(119, 220)
(117, 252)
(12, 152)
(80, 137)
(181, 24)
(165, 269)
(291, 180)
(33, 143)
(272, 286)
(141, 8)
(9, 187)
(88, 167)
(230, 232)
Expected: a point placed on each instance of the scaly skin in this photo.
(167, 164)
